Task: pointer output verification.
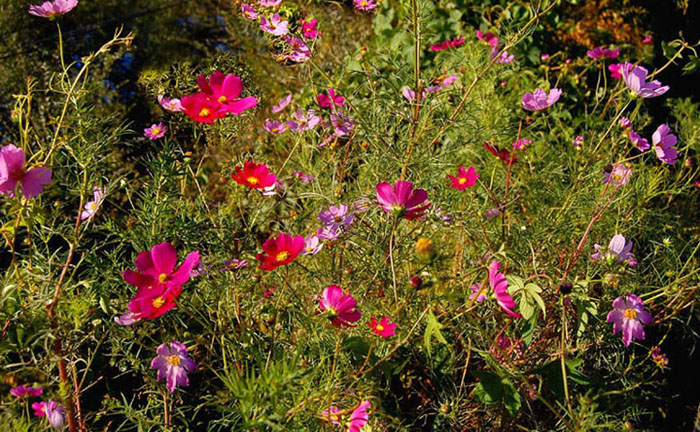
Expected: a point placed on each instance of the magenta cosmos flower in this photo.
(51, 9)
(155, 131)
(341, 309)
(617, 252)
(53, 411)
(22, 391)
(499, 285)
(225, 90)
(636, 76)
(447, 44)
(158, 267)
(13, 171)
(600, 52)
(173, 363)
(309, 29)
(465, 178)
(365, 5)
(401, 200)
(331, 100)
(382, 327)
(615, 70)
(280, 250)
(359, 417)
(664, 141)
(489, 38)
(539, 100)
(275, 25)
(628, 316)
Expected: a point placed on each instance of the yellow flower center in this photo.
(204, 112)
(222, 99)
(158, 302)
(630, 313)
(380, 327)
(162, 278)
(155, 131)
(282, 256)
(174, 360)
(364, 3)
(337, 219)
(253, 180)
(462, 180)
(92, 205)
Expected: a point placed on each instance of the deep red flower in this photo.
(500, 153)
(280, 251)
(256, 176)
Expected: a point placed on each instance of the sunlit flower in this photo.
(330, 232)
(274, 126)
(401, 200)
(499, 285)
(173, 364)
(170, 104)
(13, 171)
(618, 174)
(155, 131)
(312, 245)
(617, 252)
(336, 216)
(615, 70)
(636, 76)
(365, 5)
(253, 175)
(249, 11)
(275, 25)
(51, 9)
(303, 121)
(91, 206)
(663, 141)
(341, 309)
(225, 90)
(465, 178)
(629, 317)
(383, 327)
(539, 100)
(200, 108)
(280, 250)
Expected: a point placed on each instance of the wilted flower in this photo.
(155, 131)
(642, 144)
(401, 200)
(664, 141)
(51, 9)
(282, 104)
(340, 308)
(499, 285)
(600, 52)
(22, 391)
(617, 252)
(539, 100)
(173, 364)
(280, 250)
(253, 175)
(502, 154)
(53, 411)
(383, 327)
(465, 178)
(13, 171)
(455, 42)
(365, 5)
(635, 78)
(629, 317)
(275, 25)
(618, 174)
(91, 206)
(170, 104)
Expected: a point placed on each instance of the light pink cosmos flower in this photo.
(464, 179)
(91, 207)
(503, 58)
(22, 391)
(359, 417)
(336, 216)
(636, 76)
(499, 285)
(282, 104)
(303, 121)
(617, 252)
(158, 266)
(641, 143)
(269, 3)
(51, 9)
(624, 122)
(539, 100)
(299, 51)
(312, 245)
(53, 411)
(173, 364)
(401, 200)
(340, 308)
(274, 126)
(365, 5)
(478, 293)
(155, 131)
(628, 315)
(330, 232)
(618, 174)
(663, 141)
(170, 104)
(249, 11)
(382, 327)
(600, 52)
(12, 172)
(275, 25)
(305, 178)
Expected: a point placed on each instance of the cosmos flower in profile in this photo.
(539, 100)
(52, 9)
(14, 172)
(636, 79)
(341, 309)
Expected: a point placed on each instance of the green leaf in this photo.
(511, 397)
(490, 387)
(432, 329)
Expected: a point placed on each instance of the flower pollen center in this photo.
(462, 180)
(630, 313)
(162, 278)
(158, 302)
(222, 99)
(204, 112)
(282, 256)
(253, 180)
(174, 360)
(380, 327)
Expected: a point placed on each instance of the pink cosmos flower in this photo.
(275, 25)
(578, 141)
(13, 171)
(641, 143)
(341, 309)
(615, 70)
(336, 216)
(299, 51)
(308, 28)
(274, 126)
(282, 104)
(331, 415)
(503, 58)
(170, 104)
(305, 178)
(600, 52)
(53, 411)
(312, 245)
(155, 131)
(249, 11)
(539, 100)
(91, 206)
(23, 391)
(225, 90)
(303, 121)
(624, 122)
(659, 358)
(269, 3)
(330, 101)
(401, 200)
(234, 264)
(521, 144)
(455, 42)
(383, 327)
(618, 174)
(635, 77)
(359, 417)
(489, 38)
(280, 250)
(253, 175)
(502, 154)
(51, 9)
(365, 5)
(629, 317)
(200, 108)
(173, 364)
(499, 285)
(465, 178)
(617, 252)
(330, 232)
(478, 293)
(647, 40)
(664, 141)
